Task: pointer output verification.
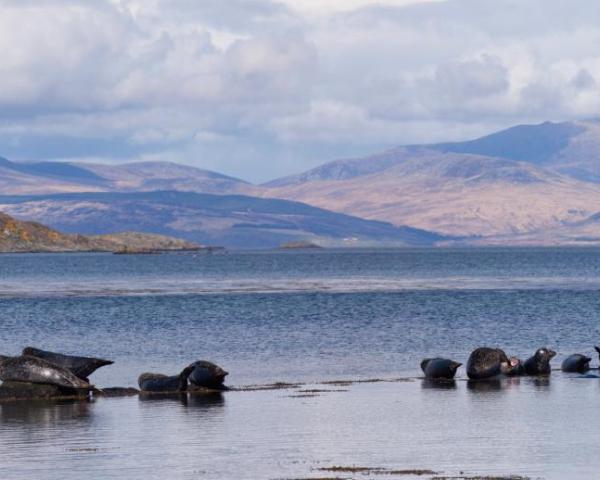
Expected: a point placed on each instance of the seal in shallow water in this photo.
(439, 368)
(485, 363)
(539, 363)
(159, 383)
(207, 374)
(82, 367)
(515, 367)
(37, 370)
(576, 363)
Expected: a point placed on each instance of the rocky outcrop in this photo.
(19, 236)
(27, 391)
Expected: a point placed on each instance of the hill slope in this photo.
(19, 236)
(228, 220)
(451, 193)
(57, 177)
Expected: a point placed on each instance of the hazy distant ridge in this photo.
(535, 181)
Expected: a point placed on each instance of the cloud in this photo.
(259, 88)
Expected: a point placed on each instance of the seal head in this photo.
(539, 363)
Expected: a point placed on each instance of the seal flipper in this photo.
(81, 367)
(455, 365)
(183, 378)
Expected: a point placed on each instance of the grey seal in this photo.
(207, 374)
(485, 363)
(37, 370)
(576, 363)
(539, 363)
(439, 368)
(159, 383)
(82, 367)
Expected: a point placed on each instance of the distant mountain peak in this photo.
(530, 143)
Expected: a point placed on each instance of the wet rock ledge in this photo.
(35, 391)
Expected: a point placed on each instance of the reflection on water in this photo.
(482, 386)
(439, 384)
(439, 426)
(46, 413)
(164, 398)
(205, 401)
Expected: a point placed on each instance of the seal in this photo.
(485, 363)
(576, 363)
(207, 374)
(37, 370)
(82, 367)
(515, 367)
(439, 368)
(539, 363)
(159, 383)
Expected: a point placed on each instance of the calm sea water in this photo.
(308, 317)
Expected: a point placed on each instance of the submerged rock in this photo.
(116, 392)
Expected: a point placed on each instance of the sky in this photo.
(258, 89)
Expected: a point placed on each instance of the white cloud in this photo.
(259, 88)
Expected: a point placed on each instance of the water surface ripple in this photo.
(305, 317)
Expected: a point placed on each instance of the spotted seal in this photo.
(439, 368)
(485, 363)
(576, 363)
(539, 363)
(159, 383)
(37, 370)
(82, 367)
(207, 374)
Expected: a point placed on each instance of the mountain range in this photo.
(529, 184)
(226, 220)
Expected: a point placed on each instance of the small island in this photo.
(18, 236)
(299, 245)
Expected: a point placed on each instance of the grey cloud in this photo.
(583, 80)
(252, 88)
(471, 78)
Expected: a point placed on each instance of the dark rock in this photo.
(198, 390)
(22, 391)
(116, 392)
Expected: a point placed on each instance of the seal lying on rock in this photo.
(485, 363)
(159, 383)
(82, 367)
(207, 374)
(576, 363)
(539, 363)
(439, 368)
(36, 370)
